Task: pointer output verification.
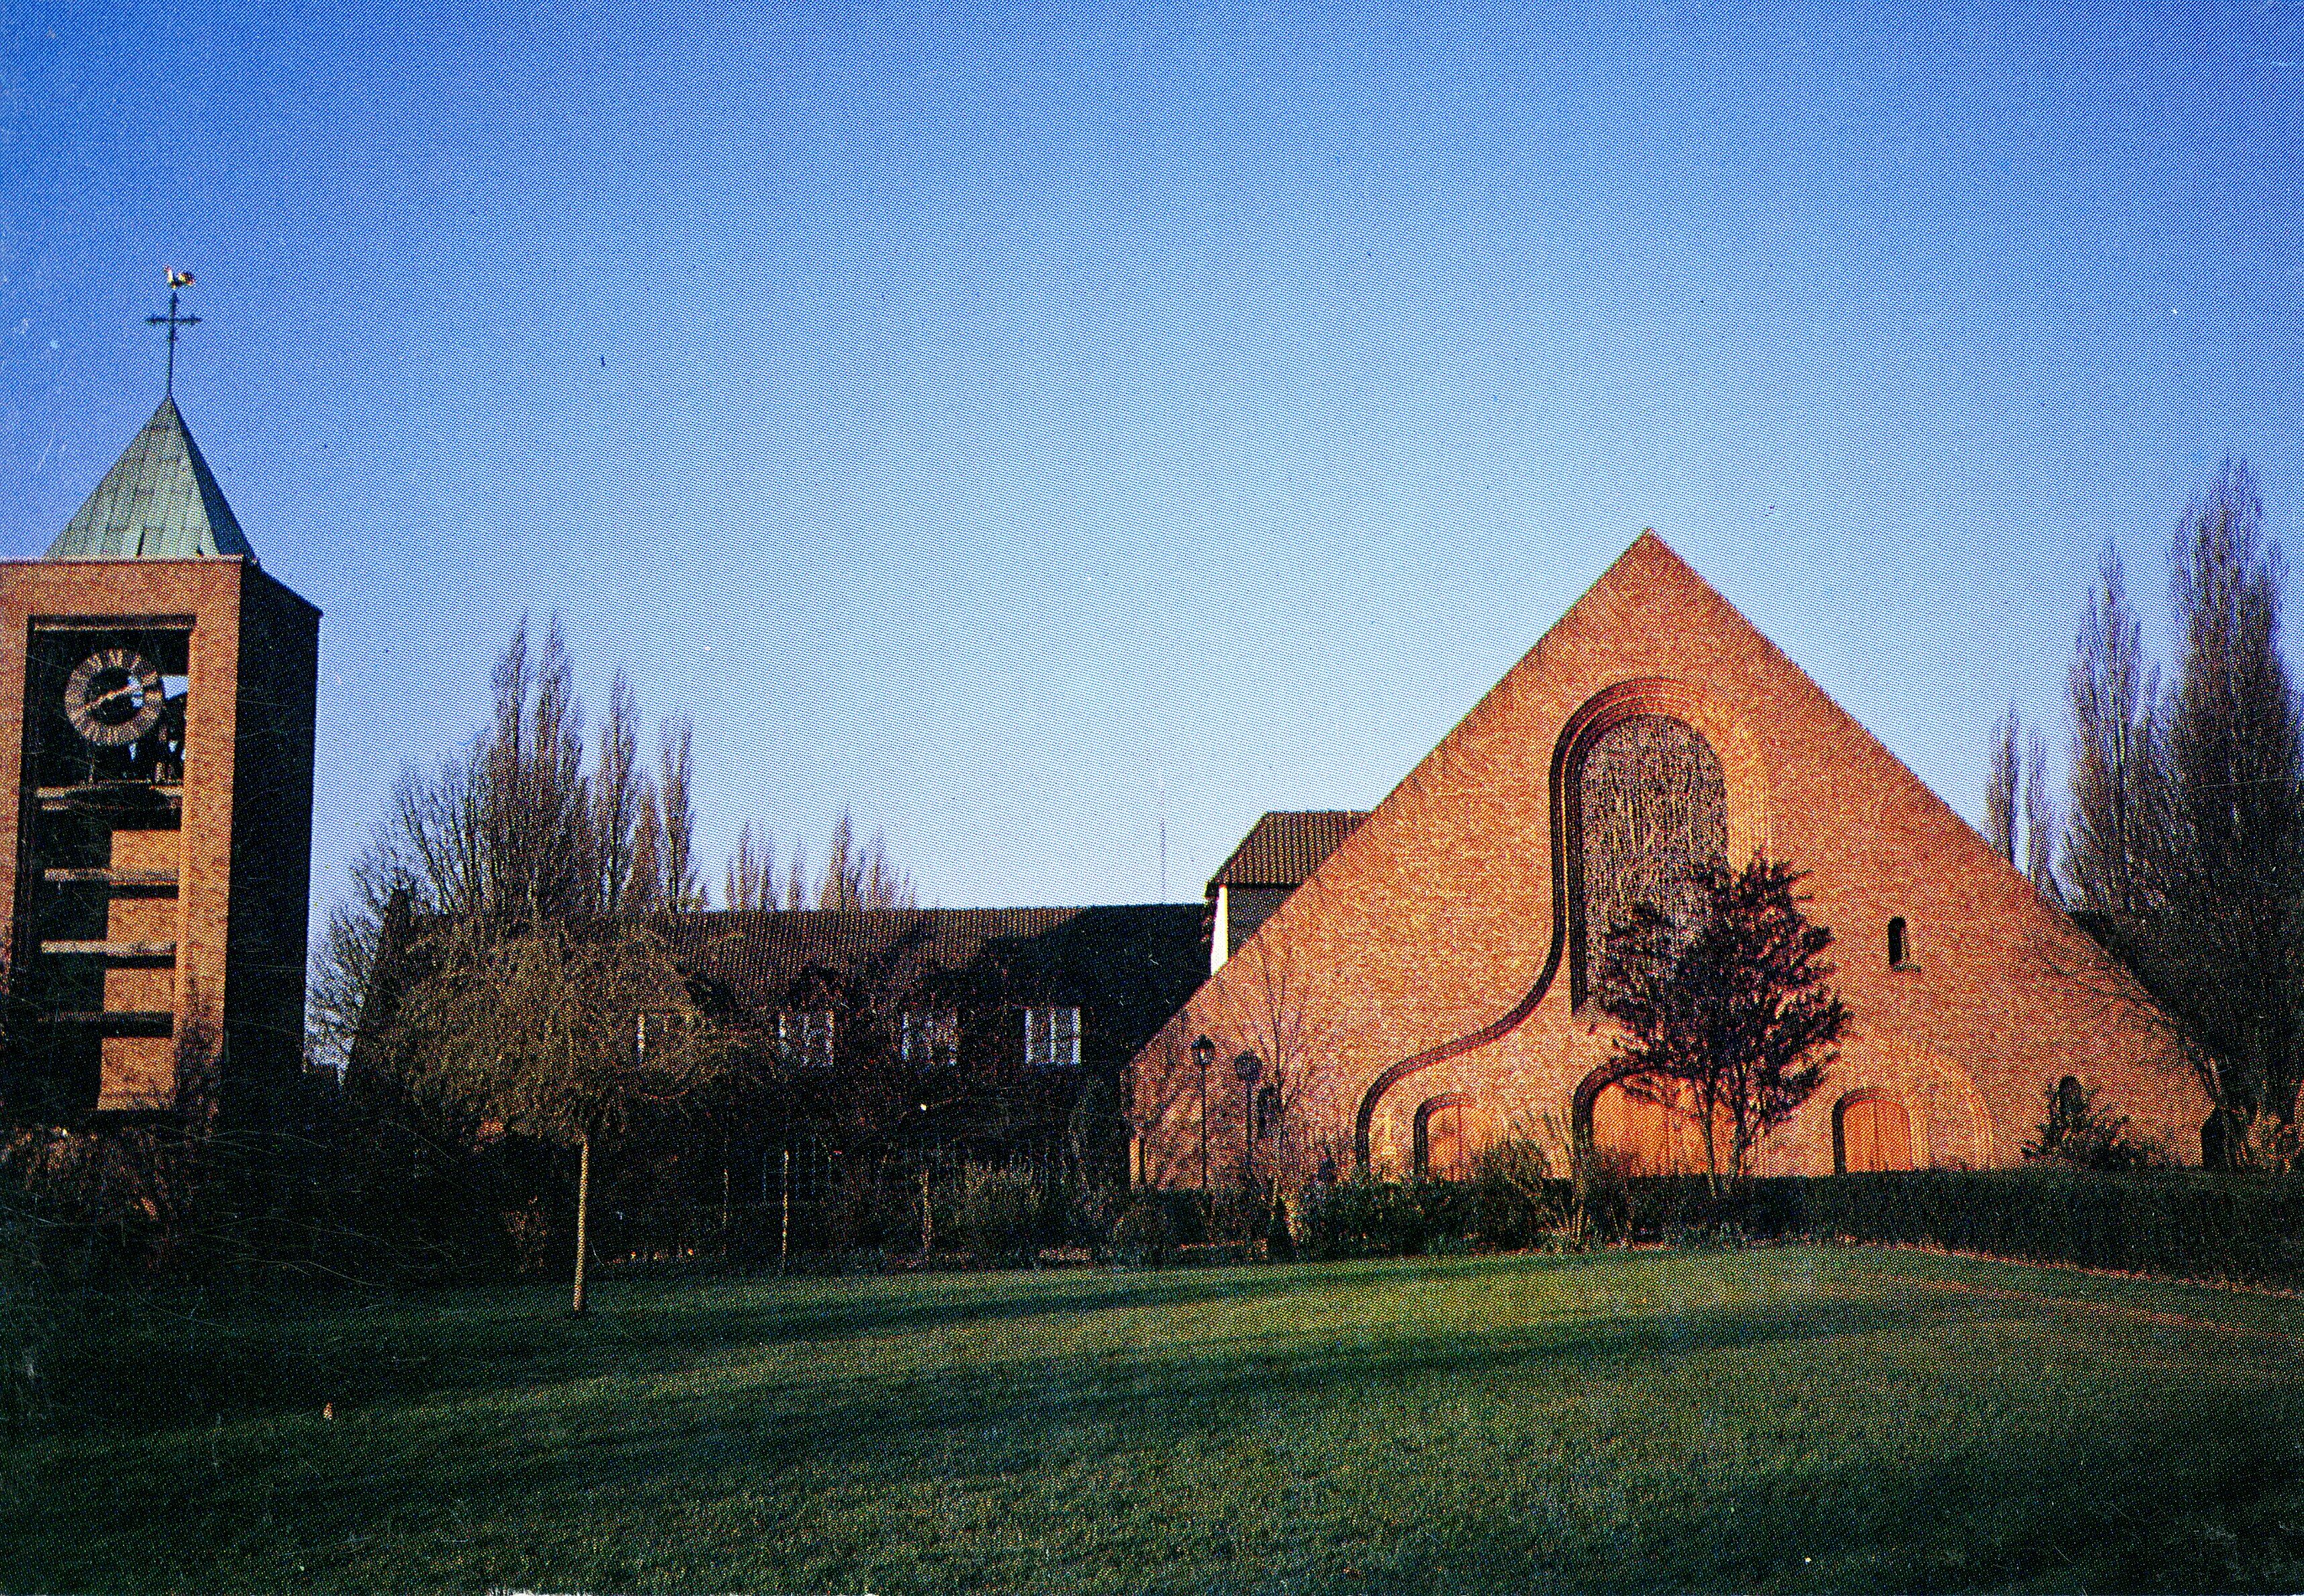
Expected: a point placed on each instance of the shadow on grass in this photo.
(147, 1364)
(2176, 1489)
(2190, 1494)
(995, 1419)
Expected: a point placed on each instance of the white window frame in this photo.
(928, 1036)
(1051, 1036)
(804, 1036)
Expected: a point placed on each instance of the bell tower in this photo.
(156, 700)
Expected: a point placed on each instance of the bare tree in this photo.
(617, 785)
(796, 880)
(2229, 850)
(750, 882)
(2114, 690)
(2040, 825)
(682, 890)
(535, 800)
(1999, 787)
(1276, 1006)
(861, 877)
(557, 1031)
(645, 890)
(511, 831)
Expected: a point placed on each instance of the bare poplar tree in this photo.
(676, 817)
(2040, 820)
(859, 876)
(2000, 787)
(750, 882)
(2114, 690)
(534, 798)
(880, 884)
(645, 891)
(2229, 851)
(511, 832)
(837, 889)
(616, 785)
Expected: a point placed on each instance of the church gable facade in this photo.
(1429, 988)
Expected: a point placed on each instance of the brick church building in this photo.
(1417, 981)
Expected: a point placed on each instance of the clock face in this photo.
(114, 696)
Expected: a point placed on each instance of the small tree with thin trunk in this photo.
(1728, 1013)
(564, 1031)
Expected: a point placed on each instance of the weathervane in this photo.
(176, 280)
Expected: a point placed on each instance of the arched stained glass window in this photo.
(1650, 805)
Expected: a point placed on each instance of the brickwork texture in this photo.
(1428, 960)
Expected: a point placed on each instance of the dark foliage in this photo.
(2185, 855)
(1728, 1011)
(2077, 1133)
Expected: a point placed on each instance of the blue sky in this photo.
(1018, 424)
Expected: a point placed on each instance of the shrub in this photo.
(999, 1217)
(1364, 1218)
(2189, 1223)
(1140, 1237)
(2076, 1133)
(1083, 1215)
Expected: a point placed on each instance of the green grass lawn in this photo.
(1780, 1419)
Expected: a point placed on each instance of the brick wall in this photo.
(1427, 956)
(242, 850)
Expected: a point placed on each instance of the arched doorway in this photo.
(1637, 1133)
(1870, 1131)
(1448, 1138)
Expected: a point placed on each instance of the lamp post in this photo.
(1203, 1052)
(1250, 1066)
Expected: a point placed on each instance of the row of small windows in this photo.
(925, 1037)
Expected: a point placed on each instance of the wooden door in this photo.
(1876, 1133)
(1637, 1134)
(1443, 1143)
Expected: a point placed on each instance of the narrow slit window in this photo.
(1896, 942)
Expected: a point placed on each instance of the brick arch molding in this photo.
(1742, 773)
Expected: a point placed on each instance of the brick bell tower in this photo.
(157, 697)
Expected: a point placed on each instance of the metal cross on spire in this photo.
(176, 280)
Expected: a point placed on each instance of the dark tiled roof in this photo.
(1285, 846)
(158, 501)
(1135, 963)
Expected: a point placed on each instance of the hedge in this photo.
(2192, 1224)
(2187, 1223)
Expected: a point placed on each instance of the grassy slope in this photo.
(1784, 1419)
